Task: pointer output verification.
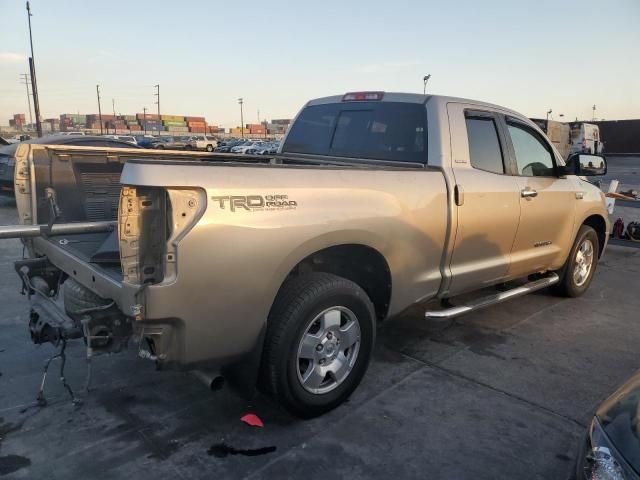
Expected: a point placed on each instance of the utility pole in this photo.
(34, 85)
(240, 101)
(593, 119)
(549, 113)
(144, 119)
(157, 94)
(99, 107)
(113, 105)
(25, 78)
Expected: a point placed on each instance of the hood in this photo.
(619, 416)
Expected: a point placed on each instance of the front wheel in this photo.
(320, 337)
(209, 148)
(577, 273)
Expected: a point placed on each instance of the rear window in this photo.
(377, 130)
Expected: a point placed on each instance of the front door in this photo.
(547, 203)
(486, 197)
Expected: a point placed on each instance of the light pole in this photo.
(99, 107)
(593, 118)
(549, 113)
(425, 80)
(144, 119)
(240, 101)
(34, 84)
(157, 94)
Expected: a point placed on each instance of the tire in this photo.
(577, 273)
(160, 147)
(187, 147)
(209, 148)
(323, 308)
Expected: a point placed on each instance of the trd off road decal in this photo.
(254, 203)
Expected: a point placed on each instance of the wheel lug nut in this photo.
(322, 361)
(329, 335)
(319, 347)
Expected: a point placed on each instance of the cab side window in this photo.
(485, 152)
(533, 157)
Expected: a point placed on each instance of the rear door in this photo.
(547, 202)
(486, 197)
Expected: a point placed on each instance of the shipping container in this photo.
(178, 129)
(173, 123)
(172, 118)
(149, 116)
(197, 130)
(194, 119)
(196, 124)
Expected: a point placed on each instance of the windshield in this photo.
(376, 130)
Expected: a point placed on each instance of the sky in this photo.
(528, 55)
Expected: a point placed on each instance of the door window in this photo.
(484, 147)
(533, 157)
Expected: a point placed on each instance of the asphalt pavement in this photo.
(504, 393)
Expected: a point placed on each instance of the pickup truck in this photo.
(275, 271)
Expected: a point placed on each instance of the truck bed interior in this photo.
(87, 189)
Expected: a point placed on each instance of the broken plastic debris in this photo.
(253, 420)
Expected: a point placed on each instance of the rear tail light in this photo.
(362, 96)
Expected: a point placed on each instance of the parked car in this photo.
(242, 148)
(267, 149)
(277, 275)
(125, 138)
(202, 142)
(7, 153)
(170, 143)
(227, 146)
(611, 447)
(71, 134)
(145, 141)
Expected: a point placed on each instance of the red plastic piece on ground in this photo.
(253, 420)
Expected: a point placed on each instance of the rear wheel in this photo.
(319, 342)
(577, 273)
(209, 148)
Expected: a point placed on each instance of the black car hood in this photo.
(619, 416)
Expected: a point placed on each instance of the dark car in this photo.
(7, 153)
(145, 141)
(611, 447)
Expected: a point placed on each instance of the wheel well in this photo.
(600, 226)
(362, 265)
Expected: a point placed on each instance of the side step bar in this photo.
(489, 300)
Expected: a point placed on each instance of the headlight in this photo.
(599, 459)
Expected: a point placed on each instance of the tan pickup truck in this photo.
(276, 271)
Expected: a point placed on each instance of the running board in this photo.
(493, 299)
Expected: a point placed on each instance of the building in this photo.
(18, 121)
(620, 136)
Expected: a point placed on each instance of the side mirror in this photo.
(586, 164)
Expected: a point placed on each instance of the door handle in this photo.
(528, 193)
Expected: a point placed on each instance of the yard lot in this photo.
(502, 393)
